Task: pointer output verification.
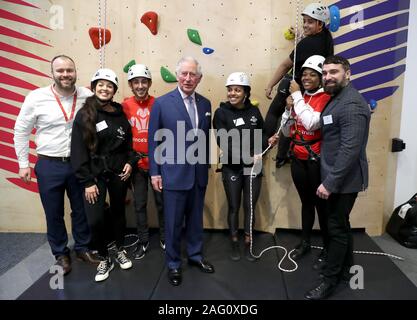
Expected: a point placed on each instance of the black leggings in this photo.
(107, 225)
(306, 177)
(234, 182)
(275, 111)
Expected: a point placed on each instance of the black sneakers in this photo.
(141, 250)
(300, 250)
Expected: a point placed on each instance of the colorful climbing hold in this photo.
(255, 103)
(128, 65)
(334, 18)
(373, 104)
(167, 76)
(95, 36)
(208, 50)
(194, 36)
(289, 34)
(150, 19)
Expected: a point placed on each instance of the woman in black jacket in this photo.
(240, 136)
(103, 158)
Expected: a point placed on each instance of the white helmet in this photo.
(106, 74)
(238, 79)
(314, 62)
(317, 11)
(138, 70)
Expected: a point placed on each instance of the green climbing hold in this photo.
(194, 36)
(127, 66)
(167, 76)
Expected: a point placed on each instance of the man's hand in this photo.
(24, 174)
(156, 183)
(322, 192)
(91, 194)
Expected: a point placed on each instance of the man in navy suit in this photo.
(178, 153)
(344, 168)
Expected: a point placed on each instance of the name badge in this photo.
(239, 122)
(101, 125)
(328, 119)
(69, 124)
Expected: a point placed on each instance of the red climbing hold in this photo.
(150, 19)
(95, 38)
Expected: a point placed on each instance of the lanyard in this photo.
(74, 102)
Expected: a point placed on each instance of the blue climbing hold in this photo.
(208, 50)
(373, 104)
(334, 18)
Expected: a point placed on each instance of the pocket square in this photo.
(208, 114)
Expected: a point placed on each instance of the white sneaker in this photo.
(123, 260)
(104, 269)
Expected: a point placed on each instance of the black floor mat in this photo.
(241, 280)
(382, 279)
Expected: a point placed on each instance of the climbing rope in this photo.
(102, 45)
(286, 253)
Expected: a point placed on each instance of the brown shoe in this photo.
(65, 263)
(88, 256)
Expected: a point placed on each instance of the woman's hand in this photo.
(290, 103)
(257, 158)
(294, 87)
(268, 92)
(127, 170)
(91, 194)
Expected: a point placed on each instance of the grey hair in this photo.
(189, 58)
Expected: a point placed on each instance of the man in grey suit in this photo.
(344, 168)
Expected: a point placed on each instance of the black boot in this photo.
(300, 250)
(248, 255)
(235, 255)
(321, 261)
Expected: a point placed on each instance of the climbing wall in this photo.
(225, 36)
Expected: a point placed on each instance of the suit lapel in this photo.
(180, 107)
(200, 110)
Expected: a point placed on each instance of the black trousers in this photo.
(140, 184)
(235, 183)
(275, 111)
(340, 250)
(107, 225)
(306, 177)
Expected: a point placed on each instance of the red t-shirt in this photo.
(317, 102)
(137, 113)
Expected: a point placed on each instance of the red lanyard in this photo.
(74, 102)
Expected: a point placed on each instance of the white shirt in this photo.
(41, 111)
(187, 104)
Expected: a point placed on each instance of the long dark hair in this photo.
(89, 117)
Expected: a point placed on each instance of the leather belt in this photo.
(61, 159)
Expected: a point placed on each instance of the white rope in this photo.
(296, 38)
(371, 253)
(105, 28)
(99, 35)
(102, 39)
